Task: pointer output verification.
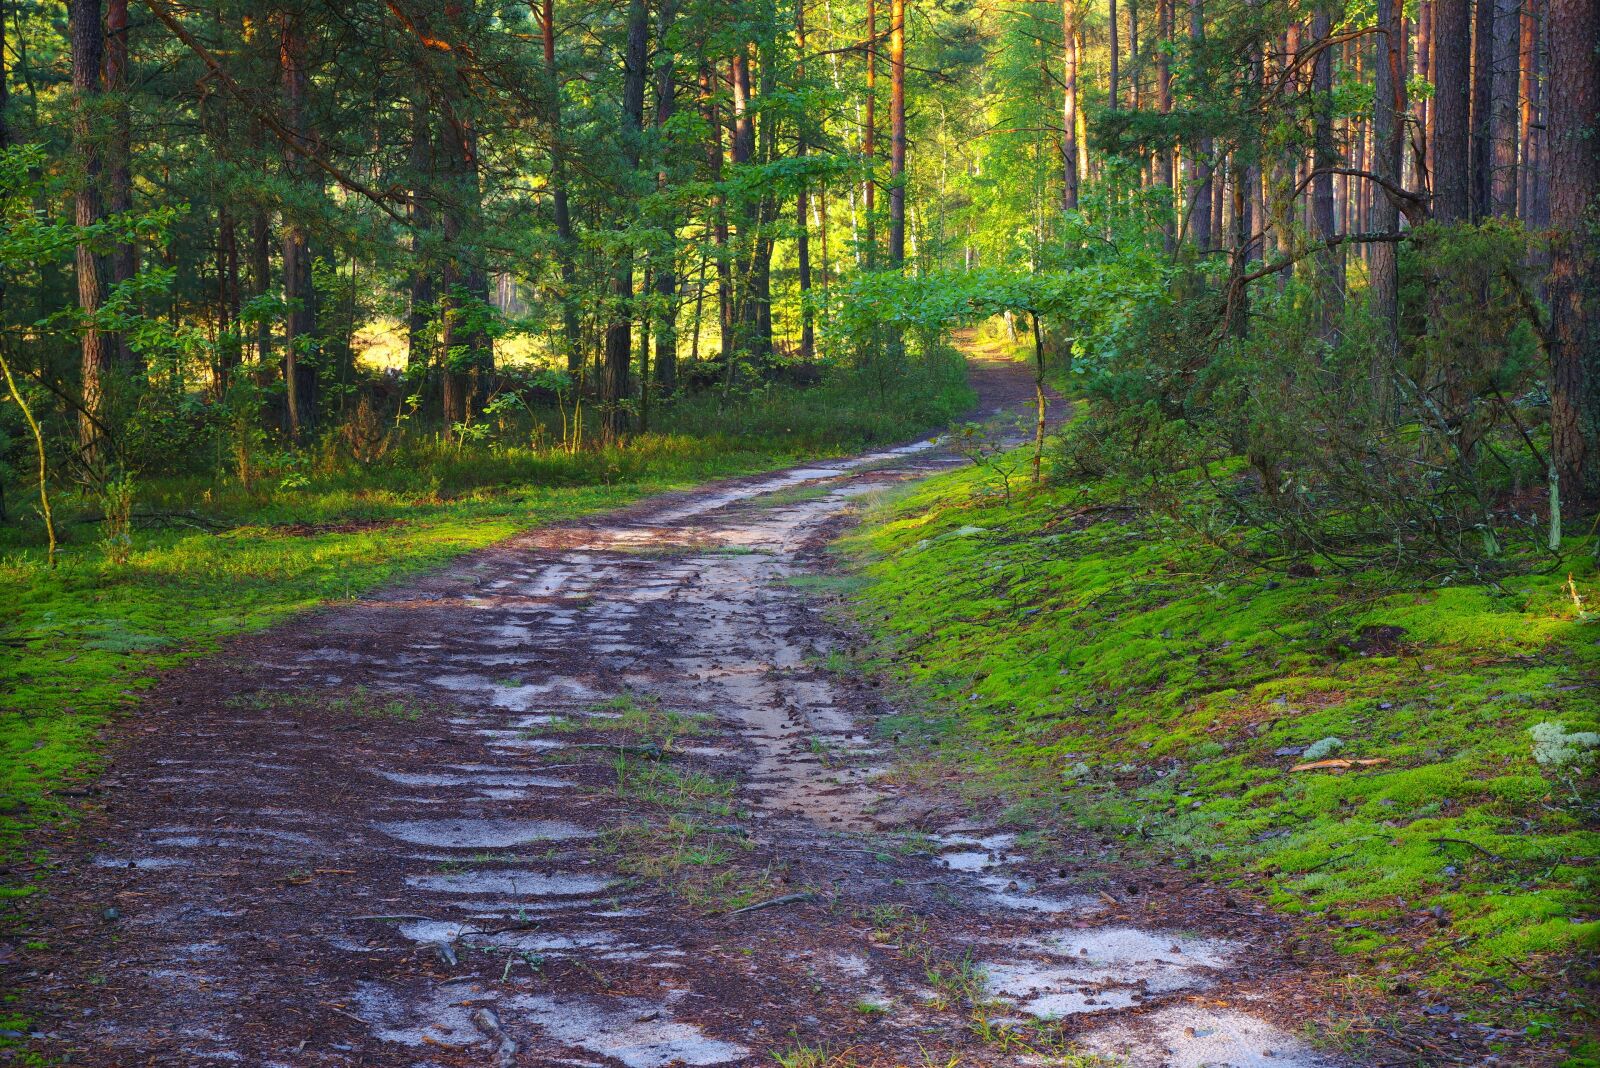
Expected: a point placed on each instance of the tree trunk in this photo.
(808, 336)
(1483, 32)
(1197, 168)
(1163, 175)
(1574, 282)
(119, 172)
(1503, 109)
(423, 285)
(1388, 133)
(619, 352)
(1329, 282)
(897, 133)
(299, 350)
(1112, 99)
(1452, 35)
(1528, 99)
(719, 216)
(869, 136)
(566, 248)
(465, 345)
(754, 300)
(87, 52)
(1069, 105)
(1422, 143)
(1133, 55)
(665, 267)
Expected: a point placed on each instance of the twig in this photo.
(1472, 845)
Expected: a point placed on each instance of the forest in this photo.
(1146, 447)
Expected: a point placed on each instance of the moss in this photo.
(1124, 676)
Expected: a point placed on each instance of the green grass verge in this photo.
(1094, 667)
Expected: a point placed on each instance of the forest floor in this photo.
(601, 795)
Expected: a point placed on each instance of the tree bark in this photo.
(1452, 34)
(465, 345)
(566, 247)
(299, 355)
(1422, 140)
(88, 45)
(1198, 167)
(619, 352)
(1069, 104)
(1163, 173)
(423, 285)
(1483, 32)
(1528, 93)
(897, 133)
(718, 208)
(1329, 281)
(665, 268)
(1503, 109)
(753, 301)
(1112, 96)
(119, 164)
(808, 334)
(1388, 134)
(1574, 281)
(869, 137)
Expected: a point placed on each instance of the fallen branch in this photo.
(505, 1050)
(786, 899)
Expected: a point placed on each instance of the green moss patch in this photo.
(1094, 667)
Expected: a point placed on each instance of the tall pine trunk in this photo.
(802, 240)
(1452, 60)
(665, 267)
(869, 138)
(1503, 109)
(299, 350)
(1197, 168)
(566, 249)
(1483, 32)
(717, 207)
(88, 44)
(1163, 173)
(1574, 282)
(1330, 284)
(1069, 105)
(423, 285)
(465, 344)
(119, 154)
(618, 349)
(897, 133)
(1388, 133)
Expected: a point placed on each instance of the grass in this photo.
(684, 831)
(1104, 671)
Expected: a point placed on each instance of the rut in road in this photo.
(516, 815)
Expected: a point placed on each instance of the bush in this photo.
(1316, 442)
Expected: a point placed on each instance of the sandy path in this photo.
(435, 828)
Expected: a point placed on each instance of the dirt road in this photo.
(594, 797)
